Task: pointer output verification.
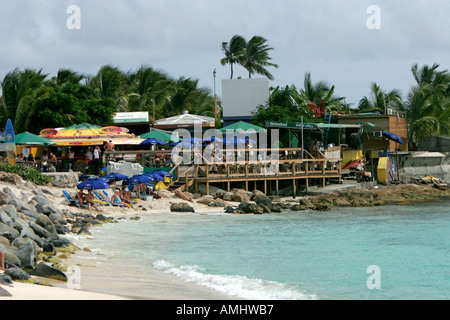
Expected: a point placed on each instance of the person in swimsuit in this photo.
(89, 197)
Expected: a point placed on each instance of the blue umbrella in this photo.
(152, 141)
(162, 173)
(393, 137)
(154, 176)
(93, 184)
(115, 177)
(140, 178)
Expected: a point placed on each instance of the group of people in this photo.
(120, 196)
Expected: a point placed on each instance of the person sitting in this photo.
(44, 163)
(89, 197)
(125, 196)
(81, 197)
(116, 199)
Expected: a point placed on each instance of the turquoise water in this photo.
(307, 255)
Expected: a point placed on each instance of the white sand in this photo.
(157, 285)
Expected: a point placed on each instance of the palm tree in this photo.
(232, 51)
(380, 100)
(148, 90)
(321, 93)
(110, 83)
(255, 57)
(428, 104)
(21, 90)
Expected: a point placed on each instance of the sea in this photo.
(393, 252)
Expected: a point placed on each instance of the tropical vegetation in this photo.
(252, 55)
(33, 101)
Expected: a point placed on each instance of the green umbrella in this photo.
(159, 135)
(241, 126)
(30, 139)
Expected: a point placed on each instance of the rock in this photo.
(17, 274)
(45, 222)
(61, 242)
(27, 255)
(217, 203)
(257, 193)
(228, 196)
(247, 207)
(56, 218)
(6, 280)
(48, 247)
(183, 195)
(8, 232)
(275, 198)
(240, 195)
(4, 241)
(206, 199)
(262, 199)
(181, 207)
(4, 293)
(46, 271)
(41, 232)
(10, 211)
(4, 218)
(84, 231)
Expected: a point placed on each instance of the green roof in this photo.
(31, 139)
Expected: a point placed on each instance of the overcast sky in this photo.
(330, 39)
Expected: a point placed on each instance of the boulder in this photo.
(27, 255)
(46, 271)
(217, 203)
(8, 232)
(248, 207)
(17, 274)
(45, 222)
(262, 199)
(206, 199)
(240, 195)
(228, 196)
(41, 232)
(4, 293)
(183, 195)
(10, 211)
(4, 218)
(181, 207)
(57, 218)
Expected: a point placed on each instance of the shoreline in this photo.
(105, 280)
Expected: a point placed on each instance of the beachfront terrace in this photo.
(263, 167)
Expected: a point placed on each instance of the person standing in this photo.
(97, 154)
(71, 158)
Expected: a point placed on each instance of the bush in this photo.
(26, 173)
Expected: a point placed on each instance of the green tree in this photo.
(20, 92)
(255, 57)
(380, 100)
(427, 105)
(232, 51)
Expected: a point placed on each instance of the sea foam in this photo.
(234, 285)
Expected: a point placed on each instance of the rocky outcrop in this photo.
(181, 207)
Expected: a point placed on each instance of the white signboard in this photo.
(126, 117)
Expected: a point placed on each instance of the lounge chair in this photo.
(72, 201)
(105, 197)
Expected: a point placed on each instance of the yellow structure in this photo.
(382, 170)
(350, 155)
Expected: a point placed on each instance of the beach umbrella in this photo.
(140, 178)
(155, 176)
(30, 139)
(115, 177)
(149, 141)
(162, 173)
(393, 137)
(160, 135)
(93, 184)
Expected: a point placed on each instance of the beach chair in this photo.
(106, 198)
(72, 201)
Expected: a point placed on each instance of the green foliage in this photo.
(26, 173)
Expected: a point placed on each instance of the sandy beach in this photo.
(106, 282)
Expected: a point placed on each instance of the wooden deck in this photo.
(267, 173)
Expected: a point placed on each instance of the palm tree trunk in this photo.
(231, 71)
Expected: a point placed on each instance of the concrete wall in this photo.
(435, 143)
(241, 96)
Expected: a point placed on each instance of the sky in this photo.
(342, 42)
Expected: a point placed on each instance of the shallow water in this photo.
(293, 255)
